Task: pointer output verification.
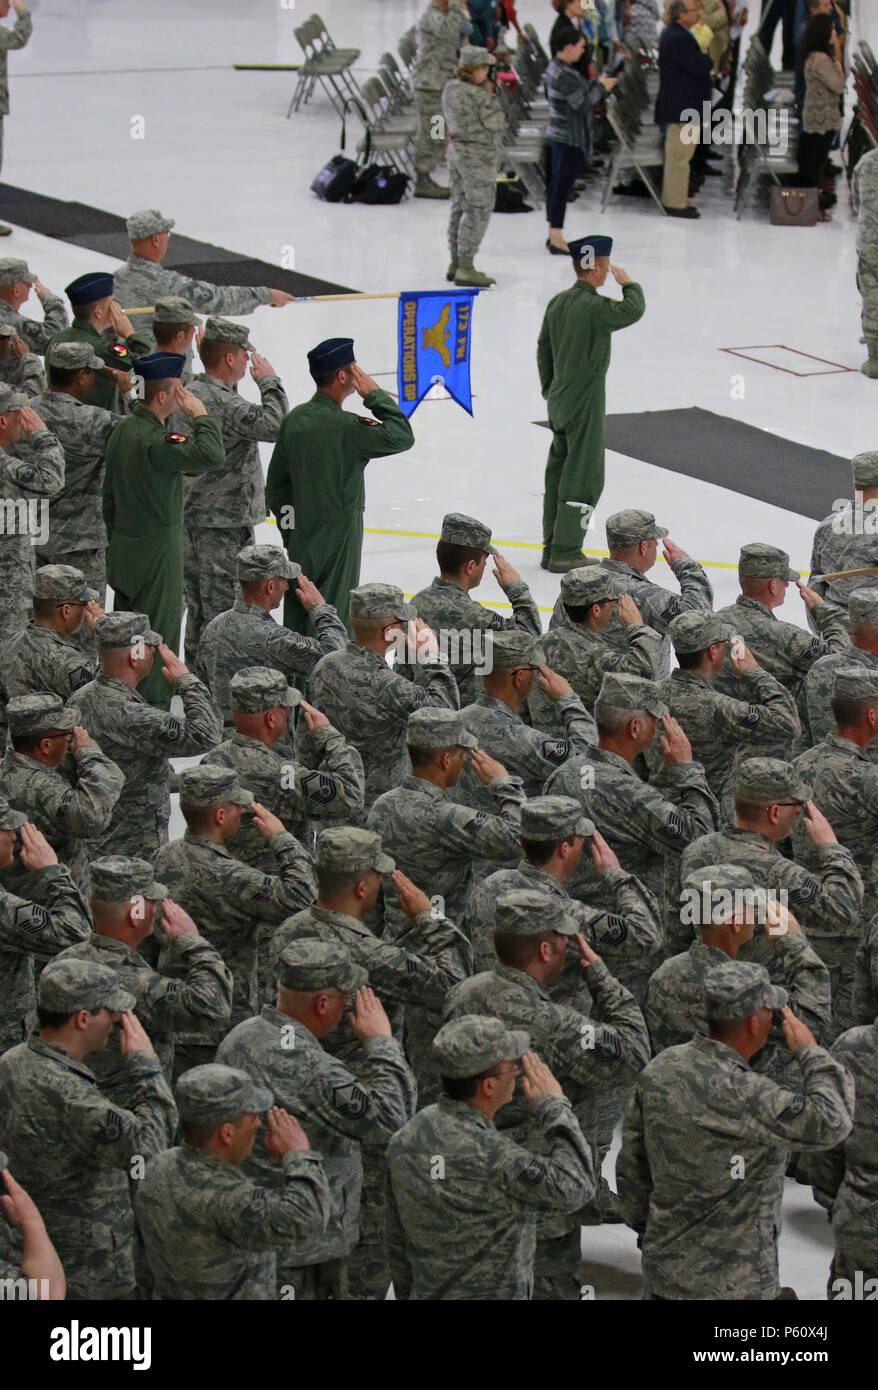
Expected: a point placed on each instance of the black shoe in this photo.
(556, 250)
(681, 212)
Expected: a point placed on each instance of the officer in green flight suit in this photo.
(573, 357)
(315, 485)
(98, 321)
(143, 501)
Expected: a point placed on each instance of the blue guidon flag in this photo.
(434, 346)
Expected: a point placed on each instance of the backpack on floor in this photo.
(378, 183)
(337, 178)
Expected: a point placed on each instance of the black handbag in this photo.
(337, 178)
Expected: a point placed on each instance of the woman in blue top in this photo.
(568, 134)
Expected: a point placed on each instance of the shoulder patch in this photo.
(117, 350)
(351, 1100)
(795, 1107)
(752, 717)
(534, 1173)
(112, 1128)
(175, 438)
(32, 918)
(555, 750)
(317, 788)
(364, 420)
(614, 932)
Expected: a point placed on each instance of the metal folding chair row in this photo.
(640, 145)
(324, 63)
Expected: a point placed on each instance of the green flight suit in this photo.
(573, 356)
(116, 352)
(317, 470)
(143, 512)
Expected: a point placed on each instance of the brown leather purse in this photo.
(794, 207)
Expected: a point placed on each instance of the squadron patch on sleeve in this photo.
(32, 918)
(317, 788)
(176, 438)
(795, 1107)
(112, 1130)
(350, 1100)
(534, 1173)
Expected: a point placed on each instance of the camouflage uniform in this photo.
(700, 1119)
(24, 373)
(582, 655)
(249, 636)
(720, 728)
(472, 1235)
(333, 790)
(675, 1004)
(78, 535)
(647, 824)
(71, 1147)
(139, 282)
(370, 703)
(657, 605)
(141, 739)
(834, 549)
(37, 335)
(16, 37)
(209, 1232)
(846, 1178)
(191, 983)
(786, 651)
(866, 974)
(446, 606)
(815, 712)
(475, 121)
(70, 803)
(624, 934)
(31, 472)
(336, 1107)
(40, 660)
(415, 971)
(826, 899)
(588, 1054)
(30, 931)
(501, 732)
(864, 197)
(438, 36)
(227, 898)
(222, 508)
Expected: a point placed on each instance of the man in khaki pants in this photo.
(684, 84)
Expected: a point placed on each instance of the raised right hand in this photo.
(30, 420)
(172, 666)
(627, 610)
(673, 742)
(133, 1037)
(266, 822)
(817, 827)
(796, 1033)
(189, 403)
(363, 384)
(284, 1134)
(412, 900)
(367, 1017)
(742, 658)
(486, 768)
(536, 1079)
(36, 852)
(176, 921)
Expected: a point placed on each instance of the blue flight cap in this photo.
(332, 354)
(598, 245)
(159, 365)
(86, 289)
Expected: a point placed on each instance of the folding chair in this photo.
(324, 63)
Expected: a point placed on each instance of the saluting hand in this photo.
(412, 899)
(172, 666)
(36, 852)
(620, 276)
(189, 403)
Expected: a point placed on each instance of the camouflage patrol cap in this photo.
(430, 727)
(206, 785)
(61, 584)
(619, 690)
(67, 985)
(512, 650)
(527, 912)
(693, 631)
(586, 585)
(765, 561)
(14, 271)
(147, 222)
(474, 1043)
(265, 562)
(863, 607)
(631, 526)
(713, 889)
(459, 529)
(381, 601)
(212, 1094)
(219, 330)
(855, 683)
(554, 818)
(36, 714)
(116, 878)
(345, 849)
(259, 688)
(123, 629)
(767, 781)
(864, 468)
(174, 309)
(736, 989)
(10, 399)
(313, 964)
(471, 56)
(10, 819)
(73, 357)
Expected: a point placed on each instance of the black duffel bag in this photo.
(378, 183)
(337, 178)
